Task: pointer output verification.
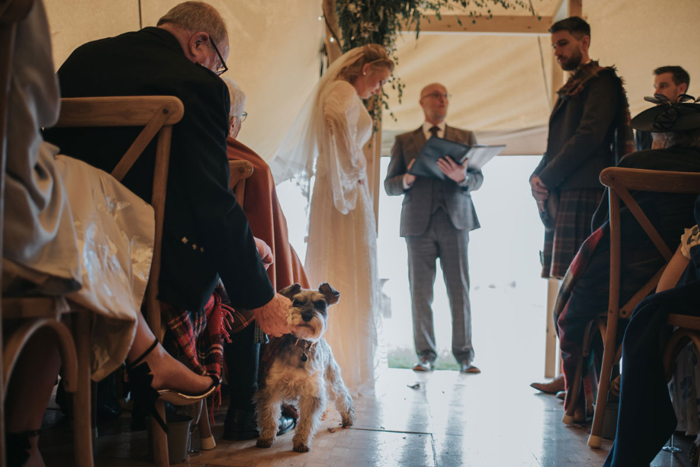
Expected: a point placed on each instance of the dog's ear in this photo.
(332, 295)
(291, 290)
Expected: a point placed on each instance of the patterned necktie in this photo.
(434, 131)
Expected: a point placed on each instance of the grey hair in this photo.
(197, 17)
(237, 97)
(687, 139)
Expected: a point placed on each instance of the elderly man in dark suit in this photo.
(436, 218)
(206, 235)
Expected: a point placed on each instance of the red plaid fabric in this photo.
(200, 335)
(570, 358)
(573, 226)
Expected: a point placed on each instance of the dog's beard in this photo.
(309, 330)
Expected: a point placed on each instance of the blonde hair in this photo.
(237, 97)
(373, 54)
(197, 17)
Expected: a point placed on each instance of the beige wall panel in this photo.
(641, 35)
(75, 22)
(496, 82)
(274, 58)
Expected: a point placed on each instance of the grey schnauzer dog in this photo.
(303, 369)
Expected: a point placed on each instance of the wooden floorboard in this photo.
(441, 418)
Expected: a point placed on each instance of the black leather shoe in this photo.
(242, 425)
(470, 368)
(286, 424)
(424, 364)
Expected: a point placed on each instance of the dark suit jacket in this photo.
(206, 233)
(418, 200)
(581, 134)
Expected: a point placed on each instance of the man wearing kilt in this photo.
(588, 131)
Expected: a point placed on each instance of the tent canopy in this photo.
(500, 84)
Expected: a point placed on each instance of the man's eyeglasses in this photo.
(243, 116)
(222, 64)
(438, 95)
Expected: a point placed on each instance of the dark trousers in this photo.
(242, 359)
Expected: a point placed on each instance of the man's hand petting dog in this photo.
(272, 318)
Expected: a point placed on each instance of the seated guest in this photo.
(261, 205)
(206, 235)
(671, 82)
(584, 292)
(646, 419)
(59, 240)
(268, 223)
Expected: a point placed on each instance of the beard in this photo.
(573, 61)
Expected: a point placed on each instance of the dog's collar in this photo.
(305, 346)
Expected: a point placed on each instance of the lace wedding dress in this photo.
(342, 243)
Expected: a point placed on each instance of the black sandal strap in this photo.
(131, 365)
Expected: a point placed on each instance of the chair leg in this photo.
(575, 385)
(609, 351)
(205, 436)
(160, 438)
(82, 403)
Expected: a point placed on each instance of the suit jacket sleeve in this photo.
(222, 225)
(393, 184)
(476, 177)
(598, 114)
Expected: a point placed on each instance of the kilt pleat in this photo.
(573, 226)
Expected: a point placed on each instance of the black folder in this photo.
(425, 164)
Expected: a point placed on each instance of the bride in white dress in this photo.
(324, 150)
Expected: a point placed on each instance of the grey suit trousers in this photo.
(441, 240)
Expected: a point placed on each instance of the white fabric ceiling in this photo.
(497, 83)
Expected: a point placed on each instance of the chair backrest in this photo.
(620, 182)
(240, 171)
(157, 114)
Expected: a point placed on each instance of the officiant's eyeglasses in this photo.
(438, 95)
(243, 116)
(222, 64)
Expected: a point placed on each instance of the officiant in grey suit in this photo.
(436, 218)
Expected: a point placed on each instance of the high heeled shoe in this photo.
(145, 395)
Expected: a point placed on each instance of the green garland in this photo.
(379, 21)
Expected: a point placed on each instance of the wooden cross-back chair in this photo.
(240, 171)
(157, 115)
(32, 314)
(620, 182)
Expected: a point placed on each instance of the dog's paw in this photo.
(263, 443)
(301, 447)
(349, 418)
